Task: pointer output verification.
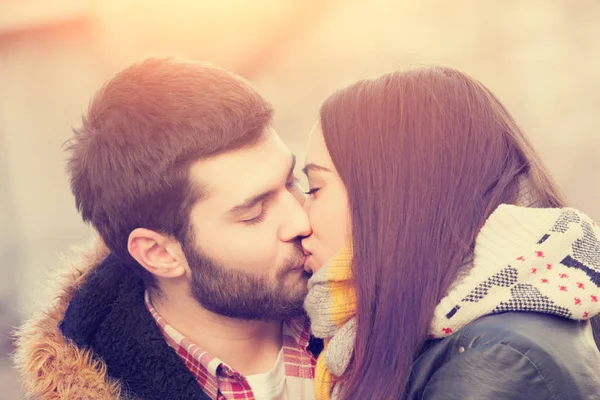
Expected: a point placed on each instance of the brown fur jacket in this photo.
(51, 367)
(96, 340)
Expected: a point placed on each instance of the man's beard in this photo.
(244, 295)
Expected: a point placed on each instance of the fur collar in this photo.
(51, 367)
(97, 340)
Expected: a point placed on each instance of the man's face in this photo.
(244, 248)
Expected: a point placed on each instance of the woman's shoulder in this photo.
(526, 329)
(516, 354)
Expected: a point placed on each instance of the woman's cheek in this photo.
(326, 229)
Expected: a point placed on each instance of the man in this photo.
(200, 293)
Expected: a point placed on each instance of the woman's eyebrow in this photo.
(314, 167)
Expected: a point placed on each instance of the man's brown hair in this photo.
(129, 161)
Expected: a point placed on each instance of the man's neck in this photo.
(249, 347)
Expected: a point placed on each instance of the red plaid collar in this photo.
(222, 382)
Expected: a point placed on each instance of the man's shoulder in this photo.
(47, 362)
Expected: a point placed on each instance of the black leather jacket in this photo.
(515, 355)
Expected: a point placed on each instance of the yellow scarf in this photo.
(331, 306)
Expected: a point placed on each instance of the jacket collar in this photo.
(108, 315)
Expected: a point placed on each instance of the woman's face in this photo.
(326, 205)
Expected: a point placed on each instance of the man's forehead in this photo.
(235, 175)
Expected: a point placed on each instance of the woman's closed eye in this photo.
(312, 191)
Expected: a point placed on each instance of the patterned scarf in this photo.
(525, 259)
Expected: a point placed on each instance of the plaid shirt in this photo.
(221, 382)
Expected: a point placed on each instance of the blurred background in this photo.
(541, 58)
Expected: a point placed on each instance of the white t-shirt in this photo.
(273, 384)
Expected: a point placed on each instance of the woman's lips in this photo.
(307, 267)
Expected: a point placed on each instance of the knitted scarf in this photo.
(331, 305)
(525, 259)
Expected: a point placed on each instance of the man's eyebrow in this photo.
(314, 167)
(251, 201)
(254, 200)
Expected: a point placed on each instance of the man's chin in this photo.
(286, 311)
(296, 288)
(278, 300)
(289, 310)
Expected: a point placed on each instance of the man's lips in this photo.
(301, 262)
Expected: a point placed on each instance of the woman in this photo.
(452, 269)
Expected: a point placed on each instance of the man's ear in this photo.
(159, 254)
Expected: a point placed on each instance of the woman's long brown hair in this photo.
(426, 156)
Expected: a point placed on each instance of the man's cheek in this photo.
(252, 251)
